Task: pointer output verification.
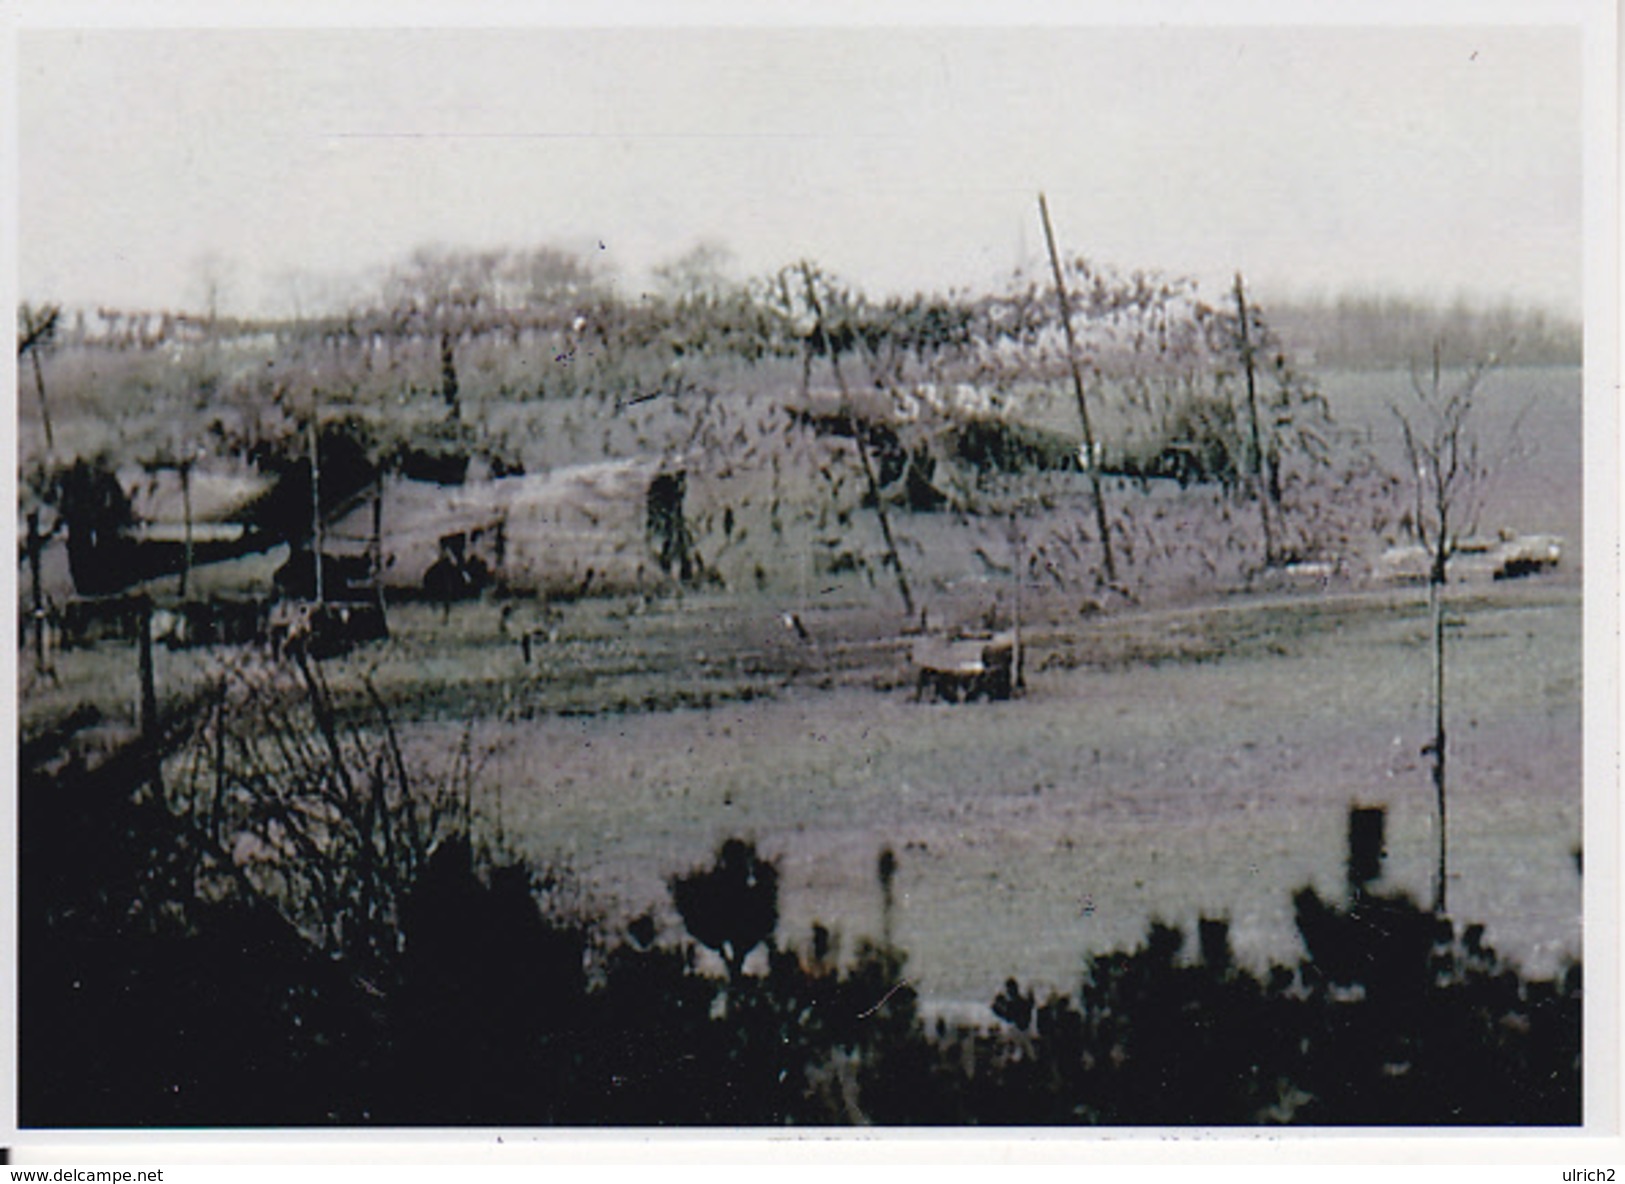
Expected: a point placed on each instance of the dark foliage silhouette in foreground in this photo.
(143, 1005)
(732, 907)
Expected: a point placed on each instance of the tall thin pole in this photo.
(1018, 566)
(149, 699)
(219, 759)
(44, 406)
(316, 504)
(37, 591)
(186, 508)
(33, 333)
(377, 546)
(1083, 402)
(895, 559)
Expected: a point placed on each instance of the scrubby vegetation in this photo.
(511, 362)
(485, 992)
(271, 910)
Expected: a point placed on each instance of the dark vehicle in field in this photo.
(965, 666)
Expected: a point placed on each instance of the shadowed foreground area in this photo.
(500, 1002)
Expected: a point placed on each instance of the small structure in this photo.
(965, 666)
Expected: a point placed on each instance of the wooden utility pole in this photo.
(375, 546)
(218, 804)
(150, 729)
(1090, 456)
(185, 467)
(1256, 455)
(316, 539)
(1018, 565)
(37, 610)
(892, 556)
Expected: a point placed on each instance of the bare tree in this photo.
(1447, 475)
(313, 806)
(698, 274)
(214, 277)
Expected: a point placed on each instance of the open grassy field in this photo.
(1191, 754)
(1165, 763)
(1141, 777)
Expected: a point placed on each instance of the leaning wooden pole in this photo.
(1090, 455)
(892, 556)
(33, 335)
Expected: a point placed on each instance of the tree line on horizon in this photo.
(458, 352)
(477, 286)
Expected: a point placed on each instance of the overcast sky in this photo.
(1418, 160)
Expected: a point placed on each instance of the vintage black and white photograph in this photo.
(758, 575)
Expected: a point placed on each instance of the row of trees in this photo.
(1355, 332)
(457, 346)
(509, 326)
(943, 401)
(1166, 368)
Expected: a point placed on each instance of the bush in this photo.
(496, 1010)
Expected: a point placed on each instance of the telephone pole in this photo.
(1090, 455)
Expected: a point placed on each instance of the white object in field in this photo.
(1507, 556)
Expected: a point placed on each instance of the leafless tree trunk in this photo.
(1447, 476)
(1436, 603)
